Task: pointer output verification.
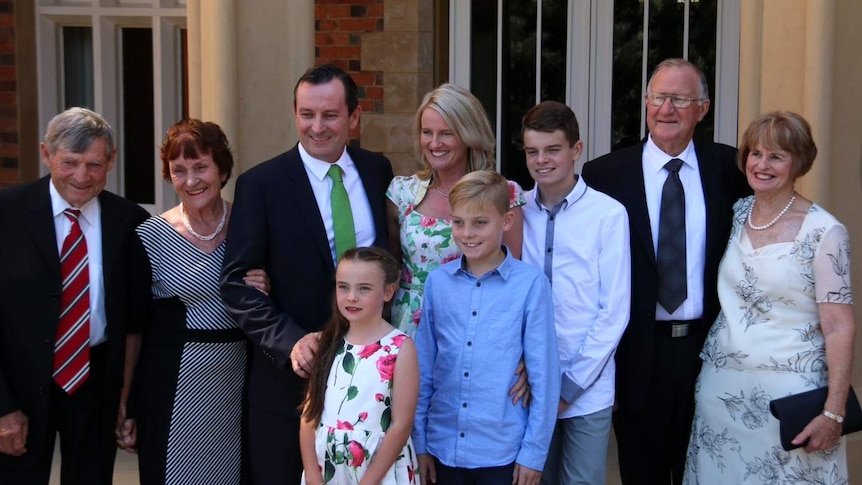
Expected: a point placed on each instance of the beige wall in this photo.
(803, 56)
(244, 59)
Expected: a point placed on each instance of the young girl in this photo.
(358, 411)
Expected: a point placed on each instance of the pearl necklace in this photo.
(774, 220)
(218, 229)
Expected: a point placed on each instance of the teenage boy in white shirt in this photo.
(580, 238)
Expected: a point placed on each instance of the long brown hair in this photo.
(335, 329)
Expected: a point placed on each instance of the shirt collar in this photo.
(504, 269)
(656, 159)
(569, 200)
(319, 168)
(89, 211)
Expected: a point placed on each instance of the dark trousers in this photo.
(274, 447)
(87, 446)
(653, 439)
(496, 475)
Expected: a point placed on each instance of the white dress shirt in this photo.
(90, 221)
(321, 184)
(655, 175)
(591, 285)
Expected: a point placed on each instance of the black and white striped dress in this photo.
(189, 385)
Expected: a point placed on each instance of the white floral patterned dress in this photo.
(426, 243)
(766, 344)
(357, 413)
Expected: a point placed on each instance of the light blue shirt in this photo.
(472, 334)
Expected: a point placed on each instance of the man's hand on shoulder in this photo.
(302, 354)
(13, 433)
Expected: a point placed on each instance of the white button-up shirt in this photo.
(590, 262)
(90, 221)
(695, 222)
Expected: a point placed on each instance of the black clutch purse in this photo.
(794, 412)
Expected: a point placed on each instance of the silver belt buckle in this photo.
(679, 329)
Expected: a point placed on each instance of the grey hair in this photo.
(75, 129)
(703, 88)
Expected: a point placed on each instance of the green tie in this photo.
(342, 216)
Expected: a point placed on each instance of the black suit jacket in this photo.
(30, 286)
(276, 225)
(620, 175)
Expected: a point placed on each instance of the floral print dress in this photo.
(766, 344)
(426, 243)
(357, 412)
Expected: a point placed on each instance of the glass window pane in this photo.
(138, 115)
(703, 23)
(483, 54)
(78, 67)
(518, 92)
(628, 58)
(554, 26)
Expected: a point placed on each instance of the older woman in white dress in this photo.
(786, 324)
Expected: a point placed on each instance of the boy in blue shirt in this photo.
(481, 315)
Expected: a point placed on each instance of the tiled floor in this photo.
(126, 471)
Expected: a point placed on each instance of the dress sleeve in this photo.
(831, 267)
(516, 195)
(395, 191)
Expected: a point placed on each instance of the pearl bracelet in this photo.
(834, 417)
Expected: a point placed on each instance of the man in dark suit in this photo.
(283, 222)
(667, 181)
(63, 333)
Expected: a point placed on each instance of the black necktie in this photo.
(671, 241)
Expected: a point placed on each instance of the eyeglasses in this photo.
(658, 99)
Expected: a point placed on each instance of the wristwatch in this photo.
(834, 417)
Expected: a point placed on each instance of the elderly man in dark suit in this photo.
(679, 195)
(73, 284)
(293, 216)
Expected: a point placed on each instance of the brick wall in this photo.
(338, 26)
(9, 153)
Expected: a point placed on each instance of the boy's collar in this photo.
(504, 269)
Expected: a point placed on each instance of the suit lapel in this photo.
(40, 223)
(635, 193)
(112, 237)
(710, 179)
(306, 204)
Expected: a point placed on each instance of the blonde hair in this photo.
(466, 118)
(483, 188)
(780, 130)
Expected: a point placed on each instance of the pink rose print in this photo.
(378, 397)
(339, 424)
(451, 257)
(363, 416)
(398, 340)
(357, 452)
(416, 315)
(369, 350)
(409, 210)
(386, 367)
(406, 274)
(427, 221)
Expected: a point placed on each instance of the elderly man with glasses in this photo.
(679, 195)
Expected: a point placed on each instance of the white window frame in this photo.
(590, 65)
(106, 22)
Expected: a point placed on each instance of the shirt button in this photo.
(462, 435)
(464, 405)
(474, 313)
(550, 218)
(550, 250)
(478, 284)
(466, 374)
(469, 343)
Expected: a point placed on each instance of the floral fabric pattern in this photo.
(359, 389)
(765, 344)
(426, 243)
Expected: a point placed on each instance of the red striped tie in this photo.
(72, 347)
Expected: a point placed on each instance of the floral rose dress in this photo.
(426, 243)
(766, 344)
(357, 413)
